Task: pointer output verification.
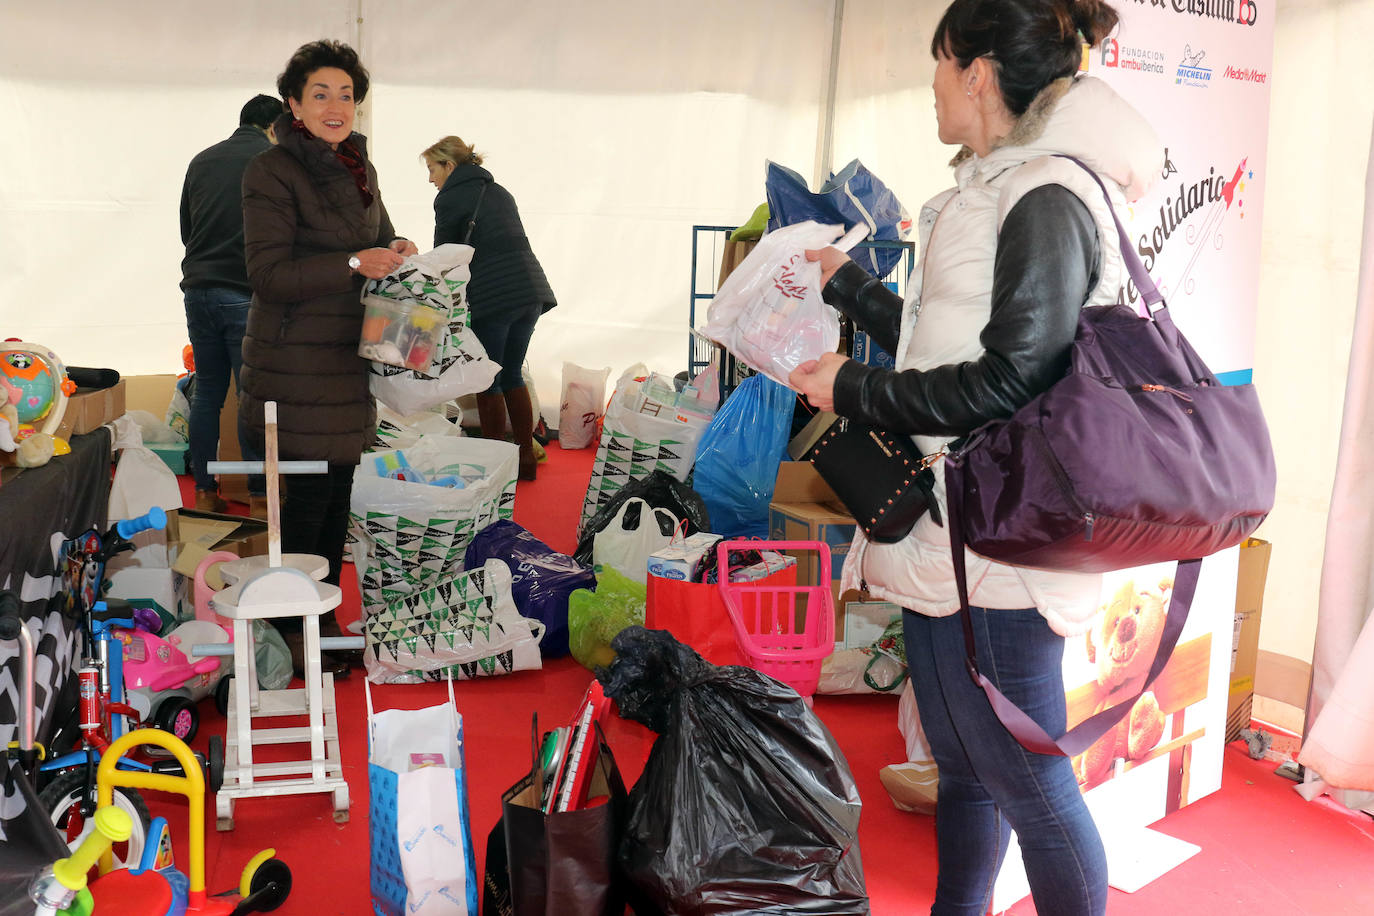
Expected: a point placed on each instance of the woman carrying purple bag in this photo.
(1009, 256)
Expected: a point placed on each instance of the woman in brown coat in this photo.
(314, 227)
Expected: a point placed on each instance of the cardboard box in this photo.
(803, 442)
(88, 409)
(193, 534)
(167, 591)
(1252, 570)
(151, 393)
(804, 508)
(231, 486)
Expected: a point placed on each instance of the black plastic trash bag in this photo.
(746, 804)
(660, 490)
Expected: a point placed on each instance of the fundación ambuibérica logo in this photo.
(1190, 70)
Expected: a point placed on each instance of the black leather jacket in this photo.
(1046, 264)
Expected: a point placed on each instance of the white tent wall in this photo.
(617, 126)
(1319, 135)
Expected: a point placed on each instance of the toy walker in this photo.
(264, 588)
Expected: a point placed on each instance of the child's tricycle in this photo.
(157, 887)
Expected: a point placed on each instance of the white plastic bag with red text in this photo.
(583, 403)
(769, 312)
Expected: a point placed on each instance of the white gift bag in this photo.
(627, 550)
(421, 833)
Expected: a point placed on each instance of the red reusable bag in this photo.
(695, 614)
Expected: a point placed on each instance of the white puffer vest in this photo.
(951, 294)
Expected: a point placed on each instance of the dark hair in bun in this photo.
(1032, 43)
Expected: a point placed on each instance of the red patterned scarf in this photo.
(350, 158)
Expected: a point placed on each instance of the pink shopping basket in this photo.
(785, 631)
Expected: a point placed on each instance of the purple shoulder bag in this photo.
(1138, 455)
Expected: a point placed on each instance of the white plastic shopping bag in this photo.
(769, 311)
(584, 400)
(627, 550)
(437, 279)
(421, 833)
(635, 443)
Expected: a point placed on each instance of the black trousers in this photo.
(314, 520)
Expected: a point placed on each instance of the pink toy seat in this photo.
(203, 591)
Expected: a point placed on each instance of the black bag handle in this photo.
(472, 220)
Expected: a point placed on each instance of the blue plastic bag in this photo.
(541, 578)
(850, 196)
(738, 456)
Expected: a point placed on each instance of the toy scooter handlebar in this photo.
(154, 518)
(112, 825)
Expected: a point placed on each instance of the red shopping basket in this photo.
(785, 631)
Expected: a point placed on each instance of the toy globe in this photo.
(41, 380)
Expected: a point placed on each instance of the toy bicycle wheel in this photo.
(62, 799)
(179, 716)
(214, 763)
(271, 878)
(222, 695)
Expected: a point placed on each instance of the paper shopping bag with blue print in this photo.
(422, 858)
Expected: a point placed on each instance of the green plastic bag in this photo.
(594, 618)
(271, 656)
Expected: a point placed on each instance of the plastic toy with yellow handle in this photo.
(42, 382)
(61, 889)
(157, 887)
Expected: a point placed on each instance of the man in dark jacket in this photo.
(215, 286)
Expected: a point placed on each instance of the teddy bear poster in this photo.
(1108, 666)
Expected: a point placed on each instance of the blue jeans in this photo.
(215, 321)
(989, 784)
(505, 335)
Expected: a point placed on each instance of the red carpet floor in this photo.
(1264, 850)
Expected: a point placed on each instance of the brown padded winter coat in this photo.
(303, 217)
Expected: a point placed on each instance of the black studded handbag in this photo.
(884, 482)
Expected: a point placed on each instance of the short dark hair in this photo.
(260, 112)
(1031, 43)
(315, 55)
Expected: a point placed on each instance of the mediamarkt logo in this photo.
(1245, 74)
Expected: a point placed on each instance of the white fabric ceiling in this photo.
(617, 126)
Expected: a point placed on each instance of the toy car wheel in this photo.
(177, 715)
(214, 763)
(272, 872)
(222, 695)
(61, 799)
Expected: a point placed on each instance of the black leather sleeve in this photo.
(862, 297)
(1045, 266)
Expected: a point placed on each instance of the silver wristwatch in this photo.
(354, 263)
